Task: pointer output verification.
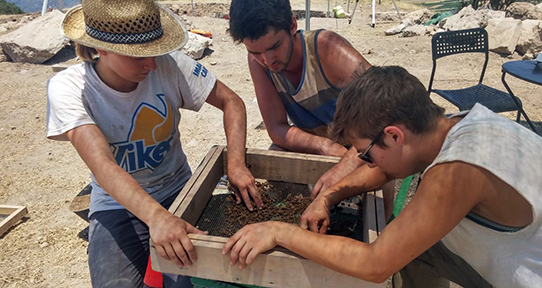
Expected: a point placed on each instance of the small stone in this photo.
(44, 244)
(13, 127)
(213, 63)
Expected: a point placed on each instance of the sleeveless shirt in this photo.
(311, 105)
(512, 153)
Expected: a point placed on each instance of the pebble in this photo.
(13, 127)
(213, 63)
(44, 244)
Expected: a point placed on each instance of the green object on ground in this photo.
(206, 283)
(437, 17)
(401, 197)
(280, 204)
(339, 12)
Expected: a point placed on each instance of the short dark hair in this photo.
(251, 19)
(380, 97)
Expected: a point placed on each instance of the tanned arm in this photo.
(235, 126)
(316, 217)
(440, 203)
(168, 232)
(276, 120)
(340, 61)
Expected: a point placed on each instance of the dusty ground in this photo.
(45, 249)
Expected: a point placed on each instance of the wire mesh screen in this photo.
(218, 219)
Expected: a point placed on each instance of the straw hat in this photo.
(139, 28)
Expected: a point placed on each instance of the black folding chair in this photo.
(470, 41)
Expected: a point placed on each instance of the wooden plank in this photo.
(15, 213)
(370, 228)
(288, 166)
(380, 215)
(195, 175)
(197, 198)
(274, 268)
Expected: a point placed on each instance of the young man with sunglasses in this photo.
(298, 76)
(476, 218)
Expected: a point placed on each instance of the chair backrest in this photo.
(457, 42)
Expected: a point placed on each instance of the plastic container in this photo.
(339, 12)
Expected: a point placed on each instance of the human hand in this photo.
(333, 175)
(243, 185)
(170, 238)
(348, 163)
(317, 214)
(251, 241)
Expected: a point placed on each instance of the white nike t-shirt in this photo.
(141, 126)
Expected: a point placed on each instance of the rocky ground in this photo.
(47, 249)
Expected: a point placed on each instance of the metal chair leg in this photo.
(520, 108)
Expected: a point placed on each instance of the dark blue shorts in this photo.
(118, 250)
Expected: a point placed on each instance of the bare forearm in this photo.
(297, 140)
(235, 124)
(341, 254)
(94, 150)
(361, 180)
(125, 190)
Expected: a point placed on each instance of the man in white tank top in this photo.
(476, 217)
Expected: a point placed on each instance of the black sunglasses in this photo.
(365, 155)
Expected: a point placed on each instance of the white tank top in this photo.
(514, 154)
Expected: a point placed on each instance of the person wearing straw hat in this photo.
(120, 110)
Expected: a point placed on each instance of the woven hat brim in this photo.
(175, 35)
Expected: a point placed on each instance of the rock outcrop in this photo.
(524, 11)
(530, 39)
(469, 18)
(37, 41)
(195, 47)
(503, 35)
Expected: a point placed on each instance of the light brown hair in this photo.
(380, 97)
(87, 54)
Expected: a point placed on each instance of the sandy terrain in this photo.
(46, 250)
